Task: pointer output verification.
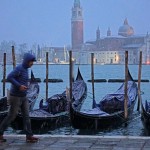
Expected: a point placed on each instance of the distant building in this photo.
(111, 49)
(108, 49)
(55, 55)
(77, 26)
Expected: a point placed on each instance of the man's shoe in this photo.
(31, 139)
(2, 139)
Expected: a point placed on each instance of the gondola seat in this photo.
(112, 106)
(55, 104)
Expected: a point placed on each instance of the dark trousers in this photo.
(16, 104)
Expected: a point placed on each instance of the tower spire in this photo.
(76, 3)
(98, 33)
(126, 21)
(108, 32)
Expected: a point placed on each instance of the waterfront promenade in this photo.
(68, 142)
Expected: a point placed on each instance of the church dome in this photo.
(126, 29)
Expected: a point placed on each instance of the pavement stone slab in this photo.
(13, 148)
(55, 148)
(130, 145)
(110, 139)
(68, 141)
(18, 142)
(125, 148)
(79, 148)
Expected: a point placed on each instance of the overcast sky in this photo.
(49, 21)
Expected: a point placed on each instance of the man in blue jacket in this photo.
(19, 85)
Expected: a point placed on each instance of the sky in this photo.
(48, 22)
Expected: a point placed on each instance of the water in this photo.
(134, 127)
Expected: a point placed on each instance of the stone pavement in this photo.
(74, 142)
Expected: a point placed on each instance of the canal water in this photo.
(134, 127)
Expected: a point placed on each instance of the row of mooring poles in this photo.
(92, 76)
(47, 71)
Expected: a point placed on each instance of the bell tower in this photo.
(77, 26)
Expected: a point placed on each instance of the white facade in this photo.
(110, 57)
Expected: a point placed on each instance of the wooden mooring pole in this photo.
(13, 57)
(92, 74)
(126, 86)
(46, 76)
(93, 90)
(73, 66)
(4, 74)
(70, 73)
(139, 82)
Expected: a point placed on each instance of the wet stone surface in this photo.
(18, 142)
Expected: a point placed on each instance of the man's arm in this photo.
(12, 77)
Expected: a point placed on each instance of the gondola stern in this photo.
(94, 105)
(32, 77)
(129, 76)
(79, 76)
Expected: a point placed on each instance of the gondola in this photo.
(32, 95)
(109, 112)
(54, 112)
(145, 116)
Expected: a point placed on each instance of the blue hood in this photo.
(27, 58)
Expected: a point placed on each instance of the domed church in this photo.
(126, 30)
(110, 49)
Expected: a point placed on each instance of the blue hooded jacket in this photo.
(19, 76)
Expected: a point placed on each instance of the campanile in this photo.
(77, 26)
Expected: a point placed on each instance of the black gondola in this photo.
(32, 94)
(109, 112)
(54, 112)
(145, 116)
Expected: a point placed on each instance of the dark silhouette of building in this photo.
(77, 26)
